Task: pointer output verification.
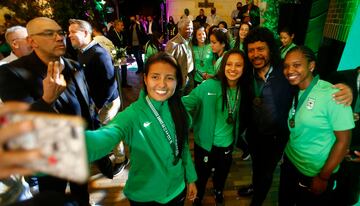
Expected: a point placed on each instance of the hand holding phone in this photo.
(61, 141)
(11, 162)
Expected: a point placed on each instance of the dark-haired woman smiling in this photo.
(203, 56)
(319, 134)
(155, 128)
(218, 107)
(220, 43)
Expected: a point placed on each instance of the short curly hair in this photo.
(263, 34)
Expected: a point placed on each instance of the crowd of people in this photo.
(240, 88)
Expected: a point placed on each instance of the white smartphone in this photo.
(61, 141)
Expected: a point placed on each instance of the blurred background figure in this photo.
(171, 28)
(203, 56)
(187, 14)
(154, 45)
(201, 18)
(235, 20)
(286, 38)
(16, 37)
(213, 19)
(250, 13)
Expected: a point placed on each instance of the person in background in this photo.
(243, 32)
(136, 42)
(16, 37)
(180, 49)
(154, 45)
(222, 25)
(119, 38)
(219, 117)
(209, 29)
(155, 128)
(320, 133)
(106, 43)
(142, 20)
(235, 13)
(250, 13)
(203, 56)
(100, 77)
(151, 26)
(187, 14)
(213, 19)
(171, 28)
(219, 42)
(98, 69)
(58, 86)
(235, 21)
(201, 18)
(238, 44)
(286, 38)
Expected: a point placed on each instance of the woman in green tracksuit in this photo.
(286, 38)
(155, 128)
(203, 56)
(217, 106)
(154, 45)
(320, 132)
(220, 43)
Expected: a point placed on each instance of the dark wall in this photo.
(329, 56)
(296, 17)
(132, 7)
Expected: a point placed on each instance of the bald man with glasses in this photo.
(50, 83)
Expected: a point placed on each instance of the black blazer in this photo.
(140, 31)
(154, 27)
(120, 41)
(283, 94)
(100, 75)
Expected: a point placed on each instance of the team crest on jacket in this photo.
(310, 103)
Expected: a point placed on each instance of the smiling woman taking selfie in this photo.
(155, 128)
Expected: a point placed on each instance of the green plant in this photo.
(59, 10)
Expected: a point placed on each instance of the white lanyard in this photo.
(173, 143)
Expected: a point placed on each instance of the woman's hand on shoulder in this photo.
(344, 95)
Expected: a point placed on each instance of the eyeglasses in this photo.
(51, 33)
(24, 38)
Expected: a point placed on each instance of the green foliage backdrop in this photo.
(59, 10)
